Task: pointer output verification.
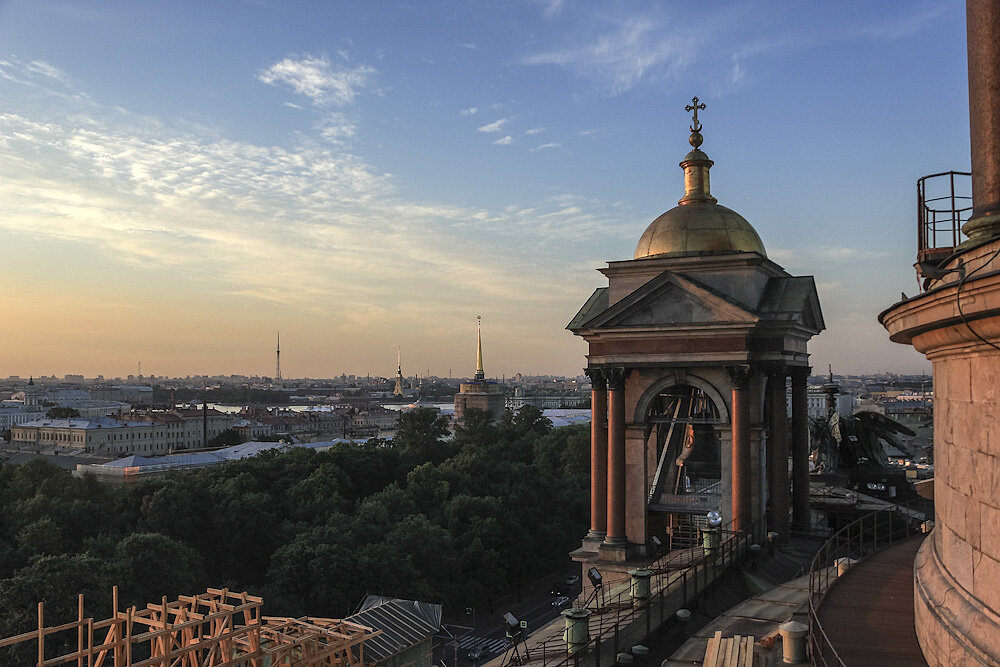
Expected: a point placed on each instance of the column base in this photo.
(613, 550)
(592, 541)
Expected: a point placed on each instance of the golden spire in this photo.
(480, 374)
(696, 164)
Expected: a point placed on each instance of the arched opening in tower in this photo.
(682, 429)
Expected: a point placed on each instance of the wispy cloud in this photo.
(471, 111)
(548, 146)
(636, 48)
(504, 141)
(145, 194)
(317, 79)
(292, 105)
(551, 8)
(336, 128)
(495, 126)
(535, 130)
(45, 69)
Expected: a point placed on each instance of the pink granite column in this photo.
(616, 456)
(742, 512)
(777, 452)
(800, 448)
(598, 454)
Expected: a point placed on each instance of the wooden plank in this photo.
(712, 650)
(734, 651)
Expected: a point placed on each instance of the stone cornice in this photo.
(932, 323)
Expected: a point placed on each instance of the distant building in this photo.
(102, 435)
(140, 433)
(479, 393)
(816, 405)
(13, 413)
(374, 419)
(249, 429)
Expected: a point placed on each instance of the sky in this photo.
(181, 180)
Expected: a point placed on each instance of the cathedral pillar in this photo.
(598, 454)
(800, 448)
(777, 452)
(739, 376)
(616, 456)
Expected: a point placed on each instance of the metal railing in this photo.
(857, 540)
(941, 212)
(671, 589)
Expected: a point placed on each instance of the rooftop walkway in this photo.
(868, 613)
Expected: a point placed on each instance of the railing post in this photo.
(597, 651)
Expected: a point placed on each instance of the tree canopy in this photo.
(456, 521)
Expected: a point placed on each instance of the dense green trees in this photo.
(458, 521)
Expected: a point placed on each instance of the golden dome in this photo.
(698, 225)
(698, 228)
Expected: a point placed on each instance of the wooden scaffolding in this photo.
(217, 628)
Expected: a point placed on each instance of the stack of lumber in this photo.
(729, 651)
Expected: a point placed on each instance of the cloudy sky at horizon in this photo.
(178, 181)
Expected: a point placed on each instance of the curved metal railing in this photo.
(857, 540)
(944, 203)
(674, 583)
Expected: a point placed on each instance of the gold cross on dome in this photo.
(694, 106)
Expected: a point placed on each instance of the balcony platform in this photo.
(868, 613)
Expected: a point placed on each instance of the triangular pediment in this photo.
(794, 299)
(672, 299)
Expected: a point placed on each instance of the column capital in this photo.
(800, 373)
(776, 370)
(739, 376)
(598, 378)
(616, 377)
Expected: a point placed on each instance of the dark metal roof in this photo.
(792, 298)
(597, 303)
(404, 623)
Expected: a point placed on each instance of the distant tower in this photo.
(831, 389)
(479, 393)
(277, 360)
(31, 394)
(480, 374)
(398, 389)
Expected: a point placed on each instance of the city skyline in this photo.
(178, 182)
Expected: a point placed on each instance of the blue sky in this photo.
(178, 180)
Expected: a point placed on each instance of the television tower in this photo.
(277, 360)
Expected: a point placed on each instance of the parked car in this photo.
(560, 601)
(572, 581)
(475, 653)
